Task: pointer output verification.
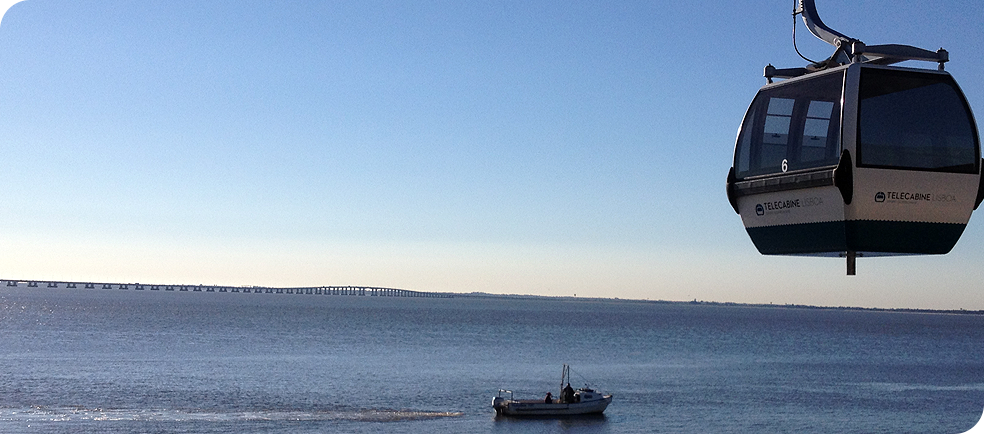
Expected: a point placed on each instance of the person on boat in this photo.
(548, 399)
(568, 394)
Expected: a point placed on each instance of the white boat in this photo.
(570, 402)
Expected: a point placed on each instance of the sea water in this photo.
(115, 361)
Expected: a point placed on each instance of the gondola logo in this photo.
(909, 197)
(777, 207)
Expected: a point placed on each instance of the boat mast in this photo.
(565, 373)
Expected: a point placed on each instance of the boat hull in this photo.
(521, 408)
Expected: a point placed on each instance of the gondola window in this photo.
(914, 121)
(798, 125)
(777, 121)
(815, 131)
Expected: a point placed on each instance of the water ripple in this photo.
(76, 414)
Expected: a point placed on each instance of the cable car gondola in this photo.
(856, 156)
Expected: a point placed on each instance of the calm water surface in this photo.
(77, 360)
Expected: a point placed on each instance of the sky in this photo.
(519, 147)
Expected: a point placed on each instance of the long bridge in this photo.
(370, 291)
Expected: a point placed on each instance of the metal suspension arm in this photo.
(856, 51)
(808, 8)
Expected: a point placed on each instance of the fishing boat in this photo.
(569, 402)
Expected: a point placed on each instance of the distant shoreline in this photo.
(731, 304)
(352, 291)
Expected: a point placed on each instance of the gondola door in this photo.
(916, 174)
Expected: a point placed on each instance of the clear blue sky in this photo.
(545, 147)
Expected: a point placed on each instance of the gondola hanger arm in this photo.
(849, 49)
(808, 9)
